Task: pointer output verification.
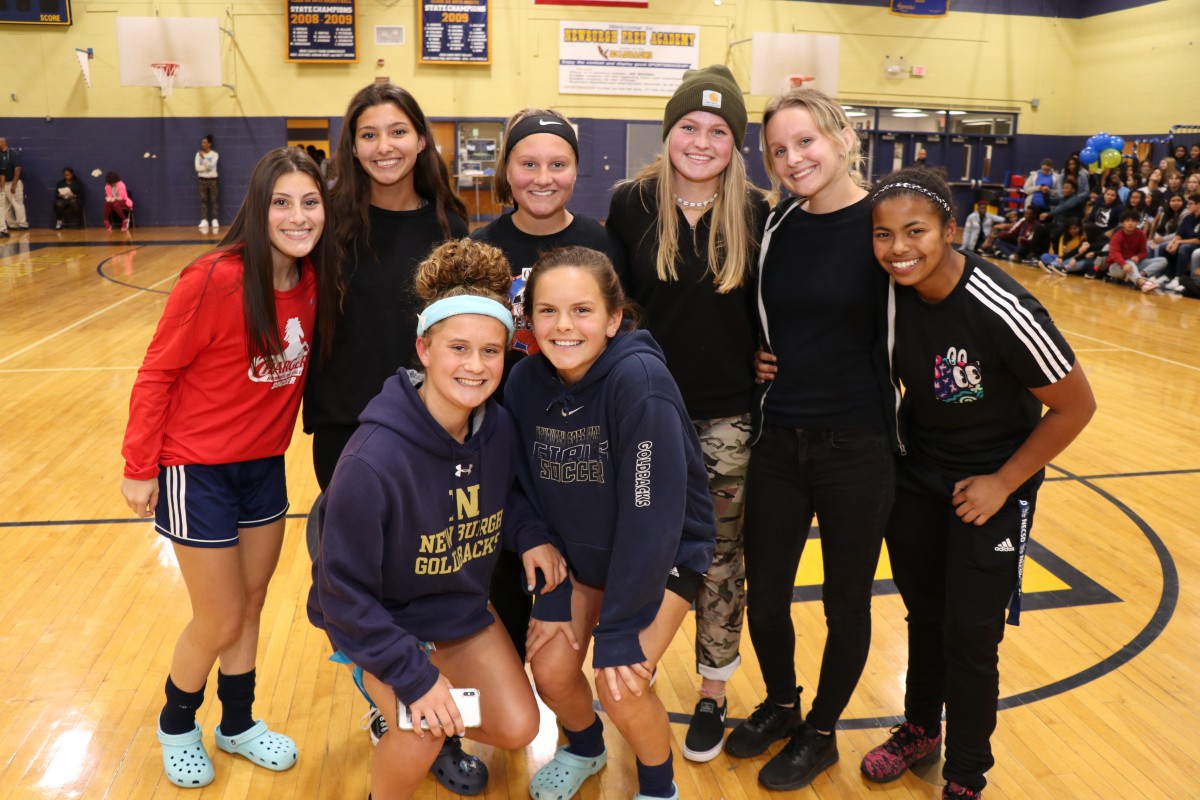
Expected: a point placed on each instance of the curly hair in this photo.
(463, 266)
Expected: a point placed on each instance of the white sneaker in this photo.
(216, 226)
(204, 226)
(1174, 285)
(1161, 280)
(58, 225)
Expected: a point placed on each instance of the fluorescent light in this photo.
(905, 110)
(847, 108)
(913, 115)
(856, 113)
(956, 113)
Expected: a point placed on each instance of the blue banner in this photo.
(324, 31)
(456, 32)
(921, 8)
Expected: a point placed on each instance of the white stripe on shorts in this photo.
(177, 501)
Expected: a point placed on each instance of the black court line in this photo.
(1104, 476)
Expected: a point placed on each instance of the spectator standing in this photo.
(206, 169)
(12, 190)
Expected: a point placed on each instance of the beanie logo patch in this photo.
(710, 99)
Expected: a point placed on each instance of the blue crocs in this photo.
(185, 760)
(561, 778)
(261, 745)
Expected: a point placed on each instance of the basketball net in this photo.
(166, 76)
(82, 57)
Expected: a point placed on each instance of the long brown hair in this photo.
(248, 237)
(351, 190)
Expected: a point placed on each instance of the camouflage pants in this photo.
(721, 603)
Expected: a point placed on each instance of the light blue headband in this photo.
(463, 304)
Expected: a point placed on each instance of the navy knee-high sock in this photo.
(179, 714)
(236, 693)
(587, 743)
(657, 781)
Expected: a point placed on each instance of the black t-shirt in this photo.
(708, 338)
(824, 301)
(523, 250)
(967, 364)
(377, 328)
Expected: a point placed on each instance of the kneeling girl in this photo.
(413, 521)
(612, 461)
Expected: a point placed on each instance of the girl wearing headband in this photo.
(402, 594)
(535, 174)
(974, 452)
(690, 224)
(612, 461)
(824, 445)
(394, 206)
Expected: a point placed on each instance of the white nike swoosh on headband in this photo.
(548, 122)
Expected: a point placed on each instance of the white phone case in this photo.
(467, 701)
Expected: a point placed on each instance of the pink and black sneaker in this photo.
(908, 746)
(956, 791)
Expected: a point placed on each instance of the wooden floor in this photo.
(1099, 684)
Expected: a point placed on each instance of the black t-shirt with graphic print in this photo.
(967, 364)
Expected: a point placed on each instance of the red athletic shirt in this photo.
(197, 400)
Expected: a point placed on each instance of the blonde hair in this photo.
(831, 121)
(501, 188)
(732, 234)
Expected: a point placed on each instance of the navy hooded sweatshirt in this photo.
(410, 530)
(614, 467)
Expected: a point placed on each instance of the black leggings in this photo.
(846, 478)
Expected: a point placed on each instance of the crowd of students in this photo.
(557, 433)
(1134, 224)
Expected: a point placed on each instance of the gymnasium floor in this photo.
(1099, 683)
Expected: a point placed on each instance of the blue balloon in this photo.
(1097, 142)
(1088, 155)
(1116, 143)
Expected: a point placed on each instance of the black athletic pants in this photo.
(956, 580)
(846, 478)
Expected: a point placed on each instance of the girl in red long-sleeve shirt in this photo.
(210, 416)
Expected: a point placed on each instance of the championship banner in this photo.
(322, 31)
(920, 8)
(625, 58)
(456, 32)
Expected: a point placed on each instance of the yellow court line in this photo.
(67, 369)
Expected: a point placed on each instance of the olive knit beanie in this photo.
(711, 89)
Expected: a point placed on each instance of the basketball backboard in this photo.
(775, 58)
(192, 42)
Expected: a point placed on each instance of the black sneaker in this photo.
(769, 723)
(802, 759)
(956, 791)
(706, 733)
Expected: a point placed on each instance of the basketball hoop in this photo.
(798, 81)
(165, 73)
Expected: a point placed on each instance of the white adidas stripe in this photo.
(1037, 341)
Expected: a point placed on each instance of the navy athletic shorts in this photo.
(204, 506)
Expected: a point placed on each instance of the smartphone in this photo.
(467, 701)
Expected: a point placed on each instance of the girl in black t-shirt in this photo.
(536, 170)
(974, 449)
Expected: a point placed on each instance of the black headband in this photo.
(541, 123)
